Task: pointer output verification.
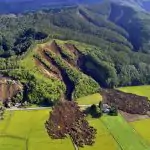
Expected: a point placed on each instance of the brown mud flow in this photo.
(129, 103)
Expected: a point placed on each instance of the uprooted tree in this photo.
(67, 119)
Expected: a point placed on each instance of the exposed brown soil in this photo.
(67, 119)
(54, 47)
(45, 71)
(54, 70)
(69, 84)
(9, 88)
(72, 49)
(133, 117)
(126, 102)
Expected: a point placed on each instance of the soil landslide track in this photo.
(126, 102)
(9, 88)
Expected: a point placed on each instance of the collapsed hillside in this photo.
(9, 88)
(112, 50)
(60, 61)
(119, 34)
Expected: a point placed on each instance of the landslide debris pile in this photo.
(9, 88)
(67, 119)
(126, 102)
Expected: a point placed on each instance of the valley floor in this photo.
(22, 130)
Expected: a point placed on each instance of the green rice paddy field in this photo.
(139, 90)
(141, 126)
(24, 130)
(89, 100)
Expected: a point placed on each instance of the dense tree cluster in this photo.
(36, 91)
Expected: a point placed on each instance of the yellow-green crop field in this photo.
(91, 99)
(138, 90)
(125, 134)
(143, 128)
(104, 139)
(24, 130)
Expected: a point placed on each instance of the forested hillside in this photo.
(110, 44)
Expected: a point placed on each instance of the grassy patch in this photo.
(91, 99)
(22, 129)
(124, 134)
(139, 90)
(104, 140)
(142, 127)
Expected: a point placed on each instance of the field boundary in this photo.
(121, 148)
(12, 136)
(143, 140)
(7, 123)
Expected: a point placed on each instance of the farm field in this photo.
(91, 99)
(22, 130)
(139, 90)
(124, 134)
(142, 128)
(104, 139)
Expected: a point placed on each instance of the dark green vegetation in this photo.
(115, 50)
(49, 72)
(95, 111)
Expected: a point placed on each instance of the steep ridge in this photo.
(63, 60)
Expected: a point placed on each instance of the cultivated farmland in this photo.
(22, 130)
(139, 90)
(104, 139)
(124, 134)
(142, 128)
(91, 99)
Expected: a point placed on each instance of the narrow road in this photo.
(39, 108)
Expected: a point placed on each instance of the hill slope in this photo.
(20, 6)
(112, 49)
